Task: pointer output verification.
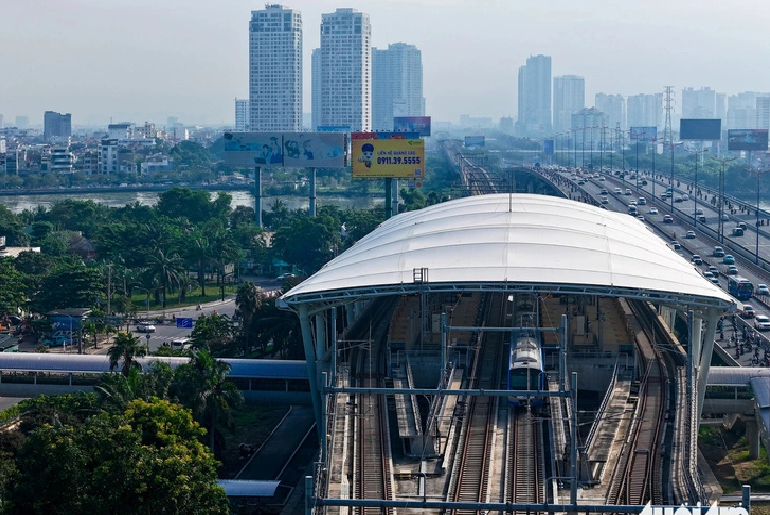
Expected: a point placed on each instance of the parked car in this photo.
(762, 323)
(145, 327)
(748, 311)
(728, 260)
(762, 289)
(180, 344)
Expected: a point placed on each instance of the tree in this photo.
(145, 460)
(70, 285)
(166, 271)
(248, 300)
(308, 242)
(127, 348)
(11, 296)
(200, 252)
(212, 333)
(204, 388)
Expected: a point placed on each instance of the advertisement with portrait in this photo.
(383, 158)
(747, 139)
(253, 149)
(314, 149)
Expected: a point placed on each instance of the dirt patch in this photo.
(253, 423)
(727, 452)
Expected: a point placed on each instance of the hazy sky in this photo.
(137, 60)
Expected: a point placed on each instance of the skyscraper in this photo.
(614, 106)
(569, 97)
(699, 103)
(742, 109)
(275, 69)
(22, 122)
(645, 110)
(56, 125)
(346, 69)
(241, 114)
(535, 96)
(396, 79)
(315, 88)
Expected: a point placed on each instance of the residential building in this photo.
(108, 156)
(315, 89)
(22, 122)
(56, 125)
(763, 113)
(275, 69)
(1, 121)
(396, 84)
(88, 162)
(569, 97)
(645, 110)
(742, 109)
(535, 97)
(123, 130)
(614, 106)
(346, 69)
(241, 114)
(61, 161)
(506, 124)
(588, 124)
(699, 103)
(157, 163)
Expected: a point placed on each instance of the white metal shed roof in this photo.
(518, 239)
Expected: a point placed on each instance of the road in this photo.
(703, 244)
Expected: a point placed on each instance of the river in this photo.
(240, 198)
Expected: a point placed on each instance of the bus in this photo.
(740, 287)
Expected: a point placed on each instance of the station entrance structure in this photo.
(510, 243)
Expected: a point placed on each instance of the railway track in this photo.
(474, 469)
(525, 462)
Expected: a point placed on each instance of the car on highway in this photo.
(618, 191)
(697, 259)
(640, 217)
(145, 327)
(748, 311)
(718, 252)
(627, 192)
(690, 235)
(582, 182)
(668, 219)
(715, 280)
(642, 201)
(180, 344)
(699, 211)
(762, 289)
(737, 231)
(725, 217)
(678, 198)
(605, 200)
(732, 270)
(604, 191)
(676, 245)
(283, 277)
(762, 323)
(714, 270)
(743, 225)
(653, 211)
(708, 275)
(728, 260)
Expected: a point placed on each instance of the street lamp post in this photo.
(697, 153)
(592, 145)
(583, 157)
(721, 225)
(574, 144)
(671, 198)
(639, 137)
(601, 160)
(758, 173)
(654, 142)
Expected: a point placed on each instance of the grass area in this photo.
(253, 424)
(213, 292)
(727, 452)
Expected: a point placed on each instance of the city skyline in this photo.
(191, 59)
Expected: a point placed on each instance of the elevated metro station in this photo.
(414, 335)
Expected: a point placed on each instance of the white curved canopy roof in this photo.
(544, 242)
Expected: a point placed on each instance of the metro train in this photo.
(525, 356)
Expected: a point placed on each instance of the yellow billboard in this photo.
(383, 158)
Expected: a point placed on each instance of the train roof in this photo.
(512, 243)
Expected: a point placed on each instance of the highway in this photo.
(703, 244)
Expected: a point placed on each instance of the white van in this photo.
(180, 344)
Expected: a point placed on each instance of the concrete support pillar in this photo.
(320, 335)
(712, 316)
(697, 338)
(752, 434)
(312, 366)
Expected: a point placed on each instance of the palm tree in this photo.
(200, 253)
(207, 391)
(127, 347)
(165, 269)
(248, 301)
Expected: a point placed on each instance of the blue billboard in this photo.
(700, 129)
(474, 141)
(419, 124)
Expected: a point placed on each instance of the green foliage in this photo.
(11, 227)
(10, 287)
(190, 154)
(70, 285)
(212, 333)
(145, 460)
(308, 242)
(125, 350)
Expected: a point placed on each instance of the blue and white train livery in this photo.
(525, 356)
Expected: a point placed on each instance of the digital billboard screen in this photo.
(384, 158)
(420, 124)
(548, 147)
(474, 141)
(643, 133)
(747, 139)
(704, 129)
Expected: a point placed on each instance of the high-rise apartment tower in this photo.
(396, 84)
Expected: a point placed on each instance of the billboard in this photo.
(383, 158)
(333, 128)
(420, 124)
(288, 149)
(385, 135)
(643, 133)
(706, 129)
(747, 139)
(474, 141)
(548, 147)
